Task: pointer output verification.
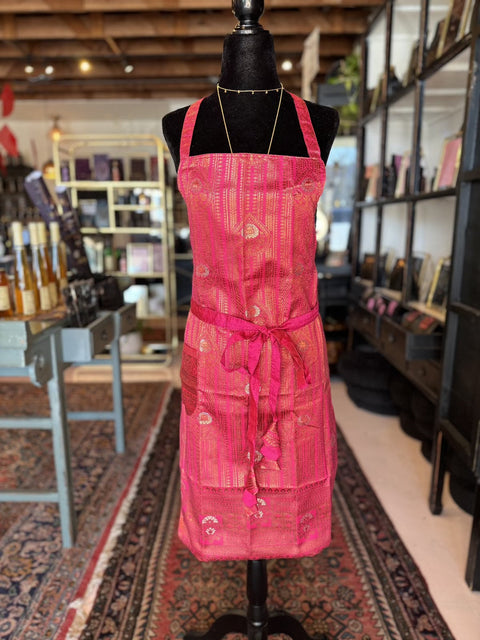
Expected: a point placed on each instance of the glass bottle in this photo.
(42, 246)
(25, 288)
(59, 256)
(5, 305)
(39, 270)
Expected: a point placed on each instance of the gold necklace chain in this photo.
(225, 122)
(252, 91)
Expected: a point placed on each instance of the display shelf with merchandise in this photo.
(119, 185)
(416, 225)
(416, 122)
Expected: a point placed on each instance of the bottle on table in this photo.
(59, 257)
(43, 248)
(25, 287)
(39, 270)
(5, 304)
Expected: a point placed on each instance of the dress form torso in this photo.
(248, 62)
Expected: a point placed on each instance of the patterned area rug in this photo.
(365, 586)
(38, 578)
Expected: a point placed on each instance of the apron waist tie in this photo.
(256, 335)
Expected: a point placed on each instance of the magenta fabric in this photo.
(257, 432)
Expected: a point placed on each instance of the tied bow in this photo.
(256, 336)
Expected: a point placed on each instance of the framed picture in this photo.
(397, 275)
(144, 257)
(367, 267)
(139, 258)
(466, 20)
(437, 296)
(447, 171)
(450, 26)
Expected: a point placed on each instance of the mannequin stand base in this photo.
(238, 623)
(257, 624)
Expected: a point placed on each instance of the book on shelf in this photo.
(401, 186)
(82, 169)
(447, 172)
(411, 71)
(137, 169)
(390, 176)
(372, 174)
(101, 167)
(438, 293)
(116, 169)
(431, 54)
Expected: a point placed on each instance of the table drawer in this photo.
(81, 344)
(393, 342)
(414, 346)
(125, 319)
(365, 322)
(426, 373)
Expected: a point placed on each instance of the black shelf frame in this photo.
(463, 435)
(466, 194)
(413, 197)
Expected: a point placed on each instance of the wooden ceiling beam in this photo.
(167, 68)
(152, 47)
(114, 6)
(113, 46)
(125, 89)
(194, 24)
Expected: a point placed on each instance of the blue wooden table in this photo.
(41, 350)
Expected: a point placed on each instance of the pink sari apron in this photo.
(257, 430)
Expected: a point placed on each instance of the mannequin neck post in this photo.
(249, 62)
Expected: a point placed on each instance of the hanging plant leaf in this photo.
(8, 100)
(8, 141)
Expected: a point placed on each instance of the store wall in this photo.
(32, 120)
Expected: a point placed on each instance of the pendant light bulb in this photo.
(85, 66)
(55, 132)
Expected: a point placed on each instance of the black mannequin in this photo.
(249, 63)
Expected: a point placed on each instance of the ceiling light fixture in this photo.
(128, 67)
(29, 68)
(287, 65)
(85, 66)
(49, 69)
(55, 132)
